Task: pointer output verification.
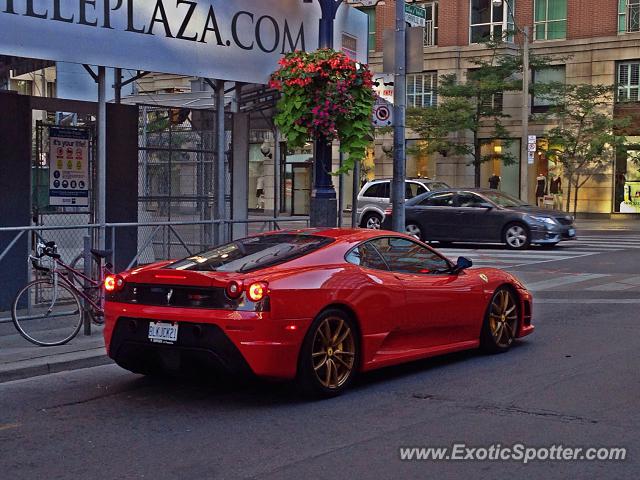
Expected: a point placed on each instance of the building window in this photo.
(350, 46)
(489, 21)
(556, 74)
(24, 87)
(628, 16)
(550, 19)
(371, 16)
(628, 81)
(431, 24)
(421, 90)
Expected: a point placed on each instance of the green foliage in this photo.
(327, 96)
(465, 107)
(586, 138)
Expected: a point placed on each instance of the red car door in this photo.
(441, 308)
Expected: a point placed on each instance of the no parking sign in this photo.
(382, 114)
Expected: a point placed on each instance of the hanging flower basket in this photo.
(326, 96)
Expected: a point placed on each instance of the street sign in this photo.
(69, 167)
(531, 156)
(415, 16)
(383, 86)
(382, 113)
(532, 139)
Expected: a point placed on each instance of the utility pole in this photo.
(524, 147)
(399, 112)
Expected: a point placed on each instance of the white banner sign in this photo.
(238, 40)
(68, 167)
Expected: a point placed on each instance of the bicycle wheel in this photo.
(46, 314)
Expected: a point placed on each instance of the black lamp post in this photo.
(324, 205)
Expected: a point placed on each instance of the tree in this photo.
(586, 138)
(467, 106)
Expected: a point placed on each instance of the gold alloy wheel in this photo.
(333, 353)
(503, 318)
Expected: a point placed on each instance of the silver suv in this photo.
(373, 198)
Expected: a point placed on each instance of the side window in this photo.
(438, 200)
(386, 190)
(373, 191)
(413, 190)
(366, 256)
(405, 256)
(468, 200)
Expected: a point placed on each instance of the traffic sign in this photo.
(382, 113)
(415, 16)
(383, 86)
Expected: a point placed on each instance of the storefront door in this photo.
(296, 188)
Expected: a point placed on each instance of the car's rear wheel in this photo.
(372, 221)
(330, 355)
(501, 322)
(516, 236)
(414, 230)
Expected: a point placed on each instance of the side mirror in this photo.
(486, 205)
(462, 264)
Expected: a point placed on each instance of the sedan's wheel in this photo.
(501, 322)
(516, 236)
(372, 221)
(329, 355)
(414, 230)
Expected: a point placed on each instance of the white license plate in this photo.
(163, 332)
(572, 232)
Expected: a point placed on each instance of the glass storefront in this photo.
(419, 165)
(547, 184)
(296, 174)
(627, 178)
(260, 158)
(494, 173)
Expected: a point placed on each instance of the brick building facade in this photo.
(597, 42)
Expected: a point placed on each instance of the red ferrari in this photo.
(315, 305)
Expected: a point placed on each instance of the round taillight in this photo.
(234, 289)
(113, 283)
(257, 291)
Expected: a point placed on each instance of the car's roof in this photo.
(417, 179)
(342, 234)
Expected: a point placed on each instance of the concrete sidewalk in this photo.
(21, 359)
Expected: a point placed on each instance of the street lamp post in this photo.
(324, 204)
(524, 150)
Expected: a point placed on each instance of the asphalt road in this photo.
(574, 382)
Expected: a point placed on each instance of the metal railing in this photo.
(155, 240)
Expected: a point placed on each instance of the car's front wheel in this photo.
(516, 236)
(330, 355)
(372, 221)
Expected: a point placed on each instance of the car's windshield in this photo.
(253, 253)
(504, 200)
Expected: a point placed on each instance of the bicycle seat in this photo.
(101, 253)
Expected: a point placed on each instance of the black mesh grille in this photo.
(185, 297)
(564, 220)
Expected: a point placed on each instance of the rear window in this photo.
(253, 253)
(437, 186)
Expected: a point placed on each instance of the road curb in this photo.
(59, 363)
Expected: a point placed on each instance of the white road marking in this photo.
(564, 280)
(590, 301)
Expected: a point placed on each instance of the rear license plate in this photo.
(572, 232)
(163, 332)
